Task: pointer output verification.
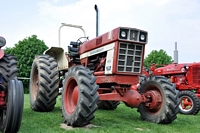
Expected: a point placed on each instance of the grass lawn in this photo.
(121, 120)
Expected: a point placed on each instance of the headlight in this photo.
(2, 41)
(186, 67)
(143, 37)
(123, 34)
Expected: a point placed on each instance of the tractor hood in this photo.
(175, 68)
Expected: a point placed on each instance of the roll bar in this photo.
(69, 25)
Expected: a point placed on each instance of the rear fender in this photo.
(59, 54)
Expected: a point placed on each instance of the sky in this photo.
(166, 21)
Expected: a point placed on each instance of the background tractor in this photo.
(11, 93)
(99, 73)
(186, 76)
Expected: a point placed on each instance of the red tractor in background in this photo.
(186, 76)
(99, 73)
(11, 93)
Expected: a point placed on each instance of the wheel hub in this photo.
(155, 100)
(186, 104)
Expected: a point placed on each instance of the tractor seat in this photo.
(73, 52)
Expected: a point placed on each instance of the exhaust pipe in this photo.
(97, 20)
(176, 54)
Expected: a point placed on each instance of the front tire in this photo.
(190, 103)
(164, 100)
(11, 116)
(44, 83)
(79, 96)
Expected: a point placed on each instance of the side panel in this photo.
(97, 51)
(109, 61)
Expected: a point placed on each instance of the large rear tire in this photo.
(190, 103)
(164, 100)
(107, 105)
(8, 68)
(11, 115)
(44, 83)
(79, 96)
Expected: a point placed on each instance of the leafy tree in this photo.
(157, 57)
(25, 51)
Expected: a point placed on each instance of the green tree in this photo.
(25, 51)
(157, 57)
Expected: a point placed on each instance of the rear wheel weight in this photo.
(190, 103)
(79, 96)
(167, 108)
(44, 83)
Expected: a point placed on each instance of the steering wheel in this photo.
(79, 40)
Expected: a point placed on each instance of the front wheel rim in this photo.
(71, 96)
(186, 103)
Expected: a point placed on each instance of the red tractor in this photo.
(186, 76)
(11, 93)
(99, 73)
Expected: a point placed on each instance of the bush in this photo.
(25, 51)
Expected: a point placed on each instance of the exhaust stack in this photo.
(176, 54)
(97, 20)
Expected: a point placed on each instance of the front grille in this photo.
(130, 57)
(196, 74)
